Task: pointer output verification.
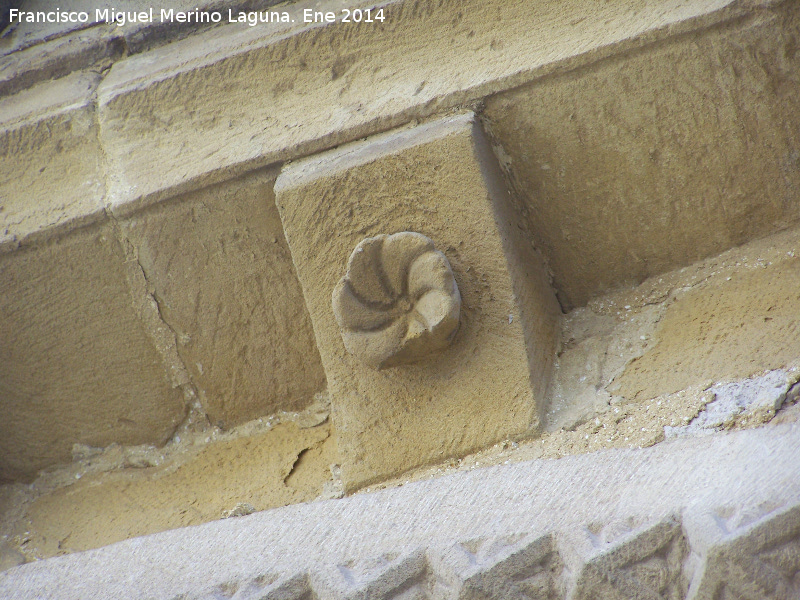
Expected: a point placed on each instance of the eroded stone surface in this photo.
(77, 365)
(515, 566)
(398, 301)
(324, 88)
(705, 336)
(630, 168)
(153, 494)
(732, 327)
(50, 160)
(632, 560)
(756, 399)
(204, 160)
(745, 554)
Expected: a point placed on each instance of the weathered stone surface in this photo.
(147, 496)
(391, 575)
(631, 167)
(701, 348)
(9, 557)
(514, 567)
(728, 329)
(22, 34)
(157, 149)
(398, 302)
(619, 561)
(440, 180)
(750, 554)
(614, 524)
(76, 363)
(334, 83)
(50, 159)
(96, 49)
(217, 264)
(756, 399)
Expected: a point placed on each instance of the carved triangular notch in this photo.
(760, 561)
(388, 576)
(645, 564)
(523, 567)
(268, 587)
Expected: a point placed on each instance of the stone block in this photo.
(728, 329)
(439, 180)
(631, 167)
(739, 553)
(217, 263)
(94, 49)
(387, 576)
(77, 364)
(619, 560)
(519, 566)
(50, 159)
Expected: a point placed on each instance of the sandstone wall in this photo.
(614, 185)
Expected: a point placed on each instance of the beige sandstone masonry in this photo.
(438, 179)
(109, 326)
(218, 265)
(50, 159)
(253, 96)
(142, 261)
(639, 163)
(77, 364)
(614, 525)
(110, 329)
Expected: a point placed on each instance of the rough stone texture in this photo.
(34, 52)
(756, 399)
(630, 166)
(741, 556)
(615, 524)
(438, 179)
(9, 557)
(626, 560)
(731, 328)
(217, 264)
(93, 49)
(76, 363)
(715, 143)
(679, 338)
(398, 303)
(81, 45)
(333, 83)
(50, 159)
(284, 465)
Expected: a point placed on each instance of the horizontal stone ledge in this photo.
(314, 98)
(202, 110)
(683, 512)
(35, 52)
(95, 48)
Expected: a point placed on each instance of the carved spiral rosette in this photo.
(398, 301)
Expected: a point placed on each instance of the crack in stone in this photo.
(145, 302)
(299, 459)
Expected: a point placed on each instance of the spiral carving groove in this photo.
(398, 302)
